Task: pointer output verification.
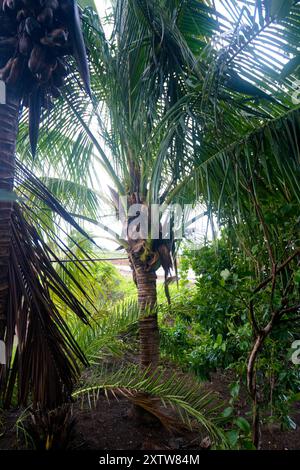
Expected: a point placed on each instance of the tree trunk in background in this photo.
(148, 325)
(9, 114)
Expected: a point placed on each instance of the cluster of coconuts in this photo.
(35, 37)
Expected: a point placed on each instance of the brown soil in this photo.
(111, 425)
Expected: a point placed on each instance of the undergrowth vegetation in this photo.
(205, 329)
(208, 328)
(152, 107)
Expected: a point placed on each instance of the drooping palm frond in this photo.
(76, 165)
(247, 64)
(32, 313)
(263, 39)
(185, 397)
(44, 358)
(264, 161)
(241, 139)
(157, 73)
(75, 198)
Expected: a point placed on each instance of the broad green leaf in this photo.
(232, 437)
(297, 277)
(243, 424)
(227, 412)
(225, 274)
(235, 389)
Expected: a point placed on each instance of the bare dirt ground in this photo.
(111, 425)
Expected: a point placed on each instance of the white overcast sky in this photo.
(102, 5)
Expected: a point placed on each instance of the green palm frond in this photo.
(87, 3)
(75, 146)
(108, 330)
(265, 160)
(186, 397)
(251, 56)
(76, 198)
(144, 61)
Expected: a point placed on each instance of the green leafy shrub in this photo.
(208, 326)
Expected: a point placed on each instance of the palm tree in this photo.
(155, 105)
(191, 104)
(37, 40)
(140, 77)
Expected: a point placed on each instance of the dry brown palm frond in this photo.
(43, 358)
(51, 430)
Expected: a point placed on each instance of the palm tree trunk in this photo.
(9, 114)
(148, 325)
